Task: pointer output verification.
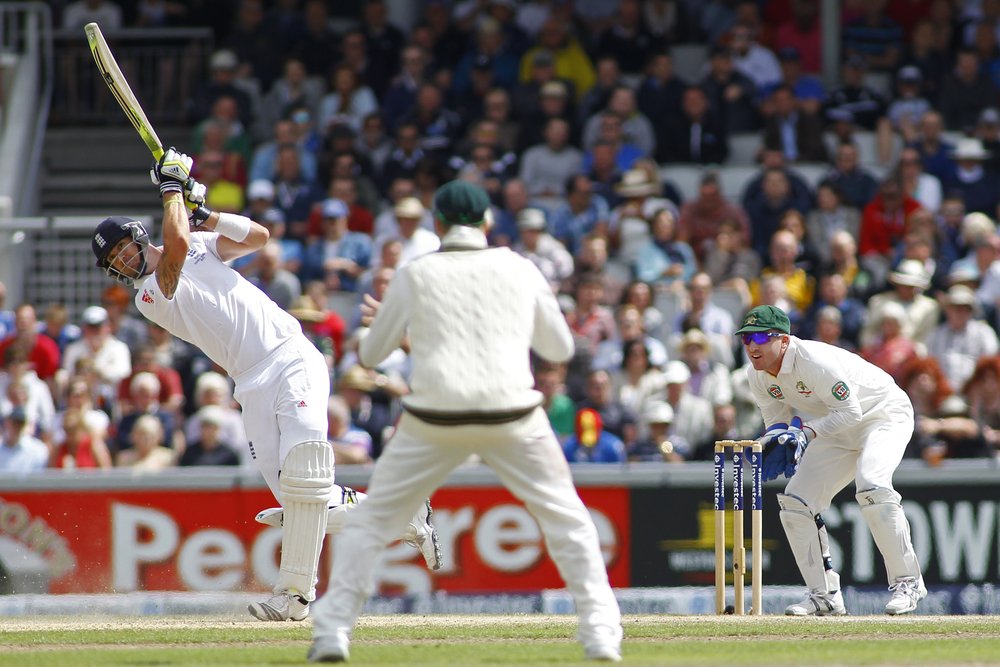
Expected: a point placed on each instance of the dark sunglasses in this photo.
(759, 337)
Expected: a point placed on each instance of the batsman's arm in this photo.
(176, 241)
(238, 234)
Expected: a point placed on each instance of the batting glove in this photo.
(194, 193)
(172, 171)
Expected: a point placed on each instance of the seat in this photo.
(671, 304)
(689, 61)
(743, 148)
(733, 180)
(686, 177)
(344, 304)
(731, 301)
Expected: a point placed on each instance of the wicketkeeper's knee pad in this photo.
(884, 515)
(807, 537)
(307, 473)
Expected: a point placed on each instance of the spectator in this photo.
(665, 260)
(318, 41)
(624, 154)
(709, 379)
(264, 166)
(358, 388)
(728, 261)
(659, 444)
(753, 59)
(384, 42)
(853, 97)
(590, 443)
(339, 256)
(402, 92)
(792, 129)
(544, 251)
(920, 312)
(112, 358)
(208, 448)
(802, 31)
(278, 283)
(571, 61)
(21, 452)
(496, 109)
(223, 194)
(354, 50)
(935, 153)
(799, 285)
(611, 354)
(806, 256)
(405, 155)
(875, 37)
(224, 133)
(416, 240)
(692, 414)
(601, 397)
(921, 186)
(214, 390)
(514, 199)
(890, 348)
(20, 387)
(171, 390)
(833, 293)
(490, 54)
(856, 185)
(609, 77)
(961, 340)
(56, 325)
(145, 392)
(729, 91)
(965, 92)
(43, 353)
(627, 40)
(77, 448)
(351, 445)
(583, 213)
(348, 101)
(295, 90)
(437, 126)
(637, 380)
(972, 177)
(295, 194)
(590, 319)
(830, 216)
(952, 434)
(223, 82)
(629, 223)
(147, 451)
(698, 136)
(79, 399)
(920, 51)
(636, 127)
(909, 106)
(526, 97)
(883, 221)
(550, 380)
(982, 391)
(766, 209)
(546, 167)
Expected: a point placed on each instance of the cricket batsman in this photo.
(831, 416)
(281, 378)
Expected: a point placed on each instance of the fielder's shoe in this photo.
(818, 604)
(602, 652)
(421, 534)
(281, 607)
(906, 593)
(330, 648)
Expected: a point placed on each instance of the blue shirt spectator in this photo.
(339, 256)
(591, 443)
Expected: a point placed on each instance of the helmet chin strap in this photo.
(128, 281)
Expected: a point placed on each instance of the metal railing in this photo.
(164, 67)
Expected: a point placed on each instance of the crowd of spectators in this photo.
(565, 111)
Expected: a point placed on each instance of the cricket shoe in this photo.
(421, 534)
(330, 648)
(281, 607)
(275, 516)
(906, 593)
(602, 653)
(818, 604)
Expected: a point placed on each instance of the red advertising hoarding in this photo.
(150, 539)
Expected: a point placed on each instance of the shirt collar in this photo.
(464, 237)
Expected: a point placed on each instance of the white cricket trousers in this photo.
(528, 460)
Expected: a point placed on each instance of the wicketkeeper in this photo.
(831, 416)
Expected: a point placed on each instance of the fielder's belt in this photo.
(471, 417)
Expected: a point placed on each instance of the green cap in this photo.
(461, 203)
(765, 318)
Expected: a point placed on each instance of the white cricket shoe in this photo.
(421, 534)
(282, 606)
(330, 648)
(906, 593)
(818, 604)
(602, 653)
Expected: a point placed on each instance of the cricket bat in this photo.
(120, 89)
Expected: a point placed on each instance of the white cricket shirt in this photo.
(217, 310)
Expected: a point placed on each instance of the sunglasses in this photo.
(759, 337)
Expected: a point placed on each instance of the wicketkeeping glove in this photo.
(172, 171)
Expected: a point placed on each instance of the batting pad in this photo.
(884, 515)
(807, 538)
(306, 484)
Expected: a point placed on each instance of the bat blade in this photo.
(120, 89)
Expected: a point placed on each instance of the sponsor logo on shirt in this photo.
(301, 404)
(775, 390)
(801, 387)
(841, 391)
(147, 296)
(195, 256)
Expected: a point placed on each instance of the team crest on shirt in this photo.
(801, 387)
(775, 391)
(147, 296)
(841, 391)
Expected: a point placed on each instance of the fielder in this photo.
(471, 314)
(831, 416)
(281, 378)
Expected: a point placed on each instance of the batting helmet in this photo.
(106, 237)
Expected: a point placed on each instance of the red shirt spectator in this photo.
(171, 389)
(883, 220)
(43, 351)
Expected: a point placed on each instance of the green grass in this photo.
(457, 641)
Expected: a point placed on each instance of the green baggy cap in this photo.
(461, 203)
(765, 318)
